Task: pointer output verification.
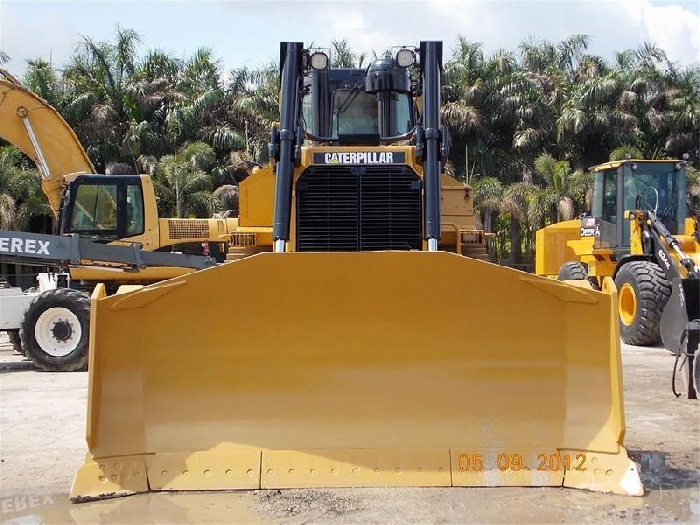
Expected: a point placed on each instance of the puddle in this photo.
(388, 505)
(161, 507)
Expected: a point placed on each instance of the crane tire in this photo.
(55, 330)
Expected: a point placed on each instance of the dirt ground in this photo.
(42, 425)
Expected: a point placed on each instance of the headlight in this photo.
(319, 60)
(405, 57)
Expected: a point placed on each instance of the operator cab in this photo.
(359, 106)
(628, 185)
(103, 208)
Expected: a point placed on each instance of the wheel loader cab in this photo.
(637, 185)
(103, 208)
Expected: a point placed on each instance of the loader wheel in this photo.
(572, 271)
(642, 294)
(55, 330)
(16, 341)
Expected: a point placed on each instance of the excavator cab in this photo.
(103, 208)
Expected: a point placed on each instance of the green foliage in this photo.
(21, 198)
(532, 120)
(621, 153)
(183, 185)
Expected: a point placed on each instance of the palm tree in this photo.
(21, 197)
(183, 184)
(7, 200)
(343, 56)
(101, 104)
(253, 99)
(42, 80)
(564, 192)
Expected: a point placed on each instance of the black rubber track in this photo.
(652, 290)
(73, 300)
(572, 271)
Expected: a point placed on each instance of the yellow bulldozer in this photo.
(107, 209)
(643, 233)
(366, 350)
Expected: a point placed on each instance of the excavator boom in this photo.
(57, 152)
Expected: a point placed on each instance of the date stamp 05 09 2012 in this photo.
(515, 462)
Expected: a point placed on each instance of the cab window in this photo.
(610, 196)
(355, 112)
(134, 210)
(95, 210)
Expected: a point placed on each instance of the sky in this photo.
(247, 33)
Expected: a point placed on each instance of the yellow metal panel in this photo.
(552, 246)
(210, 470)
(456, 203)
(108, 478)
(603, 472)
(256, 197)
(348, 352)
(355, 468)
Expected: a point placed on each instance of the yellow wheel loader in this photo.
(107, 209)
(643, 234)
(361, 354)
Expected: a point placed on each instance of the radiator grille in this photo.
(188, 228)
(346, 208)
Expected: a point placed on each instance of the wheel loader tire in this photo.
(16, 341)
(55, 330)
(642, 294)
(572, 271)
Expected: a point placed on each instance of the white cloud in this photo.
(674, 29)
(248, 33)
(612, 25)
(50, 37)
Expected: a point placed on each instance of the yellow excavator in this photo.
(363, 351)
(108, 209)
(643, 233)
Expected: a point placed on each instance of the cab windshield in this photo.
(657, 187)
(356, 112)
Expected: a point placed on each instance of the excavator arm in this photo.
(39, 131)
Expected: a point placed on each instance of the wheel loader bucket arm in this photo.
(39, 131)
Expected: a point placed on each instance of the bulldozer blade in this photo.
(355, 369)
(680, 328)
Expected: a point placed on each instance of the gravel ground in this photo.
(42, 424)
